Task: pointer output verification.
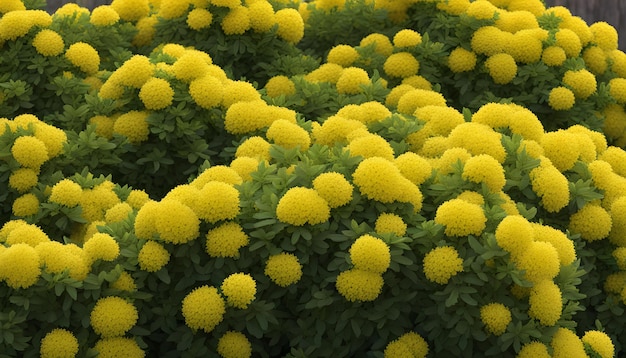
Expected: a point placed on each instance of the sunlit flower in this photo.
(381, 43)
(199, 18)
(558, 239)
(561, 98)
(334, 188)
(553, 56)
(370, 145)
(261, 16)
(496, 317)
(545, 302)
(131, 10)
(290, 25)
(604, 35)
(600, 342)
(502, 68)
(369, 253)
(582, 82)
(25, 205)
(106, 15)
(29, 152)
(203, 308)
(23, 179)
(336, 129)
(153, 256)
(133, 125)
(359, 285)
(19, 266)
(514, 234)
(461, 60)
(66, 192)
(226, 240)
(351, 80)
(48, 43)
(540, 261)
(239, 91)
(488, 40)
(254, 147)
(595, 59)
(172, 9)
(101, 246)
(207, 91)
(146, 29)
(124, 282)
(113, 316)
(283, 269)
(118, 347)
(569, 41)
(343, 55)
(288, 135)
(442, 263)
(550, 185)
(565, 343)
(300, 206)
(239, 289)
(117, 212)
(58, 343)
(83, 56)
(461, 218)
(156, 94)
(401, 64)
(592, 222)
(417, 98)
(279, 85)
(234, 345)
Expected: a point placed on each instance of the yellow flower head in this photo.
(199, 18)
(217, 201)
(617, 158)
(442, 263)
(118, 347)
(29, 152)
(514, 234)
(525, 47)
(239, 91)
(534, 350)
(553, 56)
(502, 68)
(156, 94)
(133, 125)
(563, 245)
(203, 308)
(401, 64)
(569, 41)
(279, 85)
(58, 343)
(283, 269)
(153, 256)
(343, 55)
(261, 16)
(582, 82)
(489, 40)
(482, 10)
(484, 168)
(124, 282)
(288, 135)
(19, 266)
(104, 15)
(600, 342)
(413, 167)
(545, 302)
(369, 253)
(191, 65)
(17, 23)
(336, 129)
(550, 185)
(113, 316)
(254, 147)
(604, 35)
(219, 173)
(131, 10)
(478, 139)
(48, 43)
(496, 317)
(237, 21)
(101, 246)
(565, 343)
(461, 60)
(234, 345)
(11, 5)
(540, 261)
(83, 56)
(25, 205)
(561, 98)
(381, 43)
(300, 206)
(390, 223)
(370, 145)
(407, 38)
(351, 80)
(23, 179)
(454, 7)
(328, 72)
(359, 285)
(592, 222)
(117, 212)
(334, 188)
(30, 234)
(145, 30)
(417, 98)
(461, 218)
(171, 9)
(239, 289)
(290, 25)
(207, 91)
(57, 257)
(66, 192)
(175, 222)
(516, 21)
(245, 166)
(226, 240)
(596, 59)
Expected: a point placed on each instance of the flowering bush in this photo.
(193, 178)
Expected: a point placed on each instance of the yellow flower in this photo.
(101, 246)
(397, 349)
(254, 147)
(553, 56)
(26, 234)
(561, 98)
(482, 10)
(595, 59)
(11, 5)
(604, 35)
(502, 68)
(283, 269)
(217, 201)
(336, 129)
(133, 125)
(351, 80)
(288, 135)
(565, 344)
(191, 65)
(299, 206)
(25, 205)
(66, 192)
(146, 29)
(401, 64)
(14, 24)
(454, 7)
(328, 72)
(57, 257)
(381, 43)
(239, 289)
(203, 308)
(359, 285)
(488, 40)
(175, 222)
(343, 55)
(484, 168)
(534, 350)
(83, 56)
(390, 223)
(239, 91)
(461, 218)
(19, 266)
(219, 173)
(525, 47)
(407, 38)
(334, 188)
(417, 98)
(582, 82)
(461, 60)
(58, 343)
(48, 43)
(234, 345)
(124, 282)
(496, 317)
(199, 18)
(600, 342)
(370, 253)
(113, 316)
(478, 139)
(617, 158)
(550, 185)
(153, 256)
(514, 234)
(618, 218)
(237, 21)
(569, 42)
(617, 89)
(134, 72)
(171, 9)
(545, 302)
(118, 212)
(515, 21)
(442, 263)
(226, 3)
(207, 91)
(29, 152)
(290, 25)
(156, 94)
(245, 166)
(261, 16)
(23, 179)
(118, 347)
(279, 85)
(131, 10)
(226, 240)
(370, 145)
(540, 261)
(614, 120)
(592, 222)
(413, 167)
(104, 15)
(563, 245)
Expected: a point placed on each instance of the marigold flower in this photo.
(66, 192)
(461, 218)
(203, 308)
(563, 245)
(133, 125)
(565, 343)
(83, 56)
(25, 205)
(237, 21)
(502, 68)
(199, 18)
(461, 60)
(441, 264)
(58, 343)
(48, 43)
(561, 98)
(618, 218)
(381, 43)
(239, 91)
(226, 240)
(104, 15)
(417, 98)
(401, 64)
(614, 120)
(16, 23)
(484, 168)
(219, 173)
(327, 72)
(239, 289)
(101, 246)
(118, 212)
(26, 234)
(413, 167)
(254, 147)
(370, 253)
(336, 129)
(131, 10)
(279, 86)
(488, 40)
(595, 59)
(514, 234)
(217, 201)
(616, 157)
(146, 29)
(525, 47)
(600, 342)
(553, 56)
(156, 94)
(175, 222)
(118, 347)
(482, 10)
(540, 261)
(52, 137)
(245, 166)
(545, 302)
(226, 3)
(11, 5)
(496, 317)
(604, 35)
(299, 206)
(23, 179)
(283, 269)
(359, 285)
(478, 139)
(515, 21)
(290, 25)
(113, 316)
(397, 349)
(454, 7)
(124, 282)
(343, 55)
(153, 256)
(19, 266)
(334, 188)
(550, 185)
(592, 222)
(261, 16)
(207, 91)
(234, 345)
(582, 82)
(407, 38)
(29, 152)
(534, 350)
(288, 135)
(370, 145)
(569, 42)
(57, 257)
(351, 80)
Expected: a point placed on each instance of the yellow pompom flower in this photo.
(617, 89)
(565, 343)
(134, 72)
(488, 40)
(19, 266)
(239, 91)
(561, 148)
(290, 25)
(124, 282)
(454, 7)
(401, 64)
(66, 192)
(29, 234)
(219, 173)
(482, 10)
(514, 234)
(461, 218)
(83, 56)
(484, 168)
(288, 135)
(561, 98)
(407, 38)
(101, 246)
(11, 5)
(553, 56)
(351, 80)
(502, 68)
(283, 269)
(359, 285)
(397, 349)
(245, 166)
(57, 257)
(442, 263)
(617, 158)
(569, 42)
(226, 240)
(237, 21)
(545, 302)
(582, 82)
(600, 342)
(525, 47)
(461, 60)
(14, 24)
(175, 222)
(336, 129)
(300, 206)
(234, 345)
(261, 16)
(133, 125)
(217, 201)
(614, 120)
(334, 188)
(113, 316)
(370, 145)
(29, 152)
(382, 44)
(156, 94)
(48, 43)
(550, 185)
(417, 98)
(343, 55)
(390, 223)
(25, 205)
(153, 256)
(207, 91)
(595, 59)
(604, 35)
(370, 253)
(115, 347)
(131, 10)
(279, 86)
(199, 19)
(203, 308)
(540, 261)
(516, 21)
(254, 147)
(478, 139)
(563, 245)
(592, 222)
(534, 350)
(190, 66)
(618, 218)
(239, 289)
(23, 179)
(496, 317)
(137, 198)
(104, 15)
(327, 72)
(58, 343)
(145, 30)
(117, 212)
(413, 167)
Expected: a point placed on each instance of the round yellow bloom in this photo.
(370, 145)
(57, 257)
(461, 60)
(595, 59)
(351, 80)
(237, 21)
(199, 18)
(113, 316)
(482, 10)
(569, 42)
(461, 218)
(29, 152)
(219, 173)
(206, 91)
(239, 289)
(124, 282)
(488, 40)
(592, 222)
(134, 72)
(381, 43)
(217, 201)
(23, 179)
(58, 343)
(540, 261)
(397, 349)
(441, 264)
(553, 56)
(245, 166)
(133, 125)
(370, 253)
(478, 139)
(300, 206)
(502, 68)
(563, 245)
(25, 205)
(525, 47)
(401, 64)
(516, 21)
(27, 234)
(550, 185)
(190, 66)
(254, 147)
(617, 89)
(145, 30)
(290, 25)
(334, 188)
(137, 198)
(283, 269)
(390, 223)
(534, 350)
(118, 212)
(203, 308)
(288, 135)
(336, 129)
(561, 98)
(11, 5)
(131, 10)
(66, 192)
(454, 7)
(118, 347)
(48, 43)
(496, 317)
(83, 56)
(484, 168)
(175, 222)
(226, 240)
(234, 345)
(604, 35)
(514, 234)
(359, 285)
(172, 9)
(617, 158)
(407, 38)
(343, 55)
(153, 256)
(417, 98)
(239, 91)
(156, 94)
(582, 82)
(104, 15)
(14, 24)
(279, 85)
(600, 342)
(545, 302)
(565, 343)
(261, 16)
(414, 167)
(19, 266)
(101, 246)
